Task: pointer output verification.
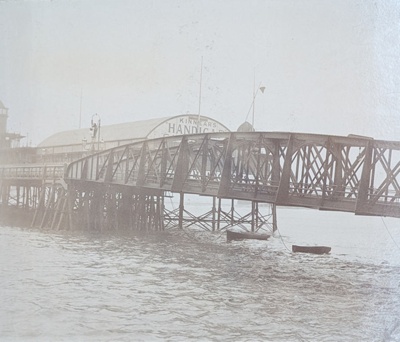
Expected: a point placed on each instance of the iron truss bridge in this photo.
(350, 174)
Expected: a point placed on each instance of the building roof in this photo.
(2, 106)
(245, 127)
(128, 131)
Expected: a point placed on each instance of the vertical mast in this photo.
(80, 111)
(254, 98)
(201, 79)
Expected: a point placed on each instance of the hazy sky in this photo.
(330, 67)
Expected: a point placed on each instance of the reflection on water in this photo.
(177, 286)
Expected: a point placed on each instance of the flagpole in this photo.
(254, 97)
(201, 79)
(80, 110)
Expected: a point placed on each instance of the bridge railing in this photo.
(43, 172)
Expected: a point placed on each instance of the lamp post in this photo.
(95, 129)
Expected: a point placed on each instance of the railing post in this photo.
(283, 189)
(182, 167)
(225, 182)
(362, 198)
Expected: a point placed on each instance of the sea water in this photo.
(192, 285)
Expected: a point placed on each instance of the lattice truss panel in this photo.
(200, 165)
(384, 186)
(255, 168)
(137, 164)
(329, 170)
(174, 163)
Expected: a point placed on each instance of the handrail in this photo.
(47, 172)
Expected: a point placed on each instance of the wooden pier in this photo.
(42, 192)
(128, 187)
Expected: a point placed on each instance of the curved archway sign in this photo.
(187, 124)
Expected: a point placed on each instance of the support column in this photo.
(136, 217)
(18, 195)
(162, 210)
(71, 200)
(219, 214)
(49, 206)
(181, 208)
(274, 218)
(5, 194)
(232, 211)
(25, 195)
(39, 205)
(213, 214)
(253, 209)
(257, 216)
(57, 208)
(64, 210)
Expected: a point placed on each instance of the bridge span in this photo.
(126, 186)
(351, 174)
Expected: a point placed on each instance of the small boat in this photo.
(311, 249)
(237, 236)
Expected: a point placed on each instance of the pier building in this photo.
(73, 144)
(10, 151)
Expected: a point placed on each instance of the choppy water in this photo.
(195, 286)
